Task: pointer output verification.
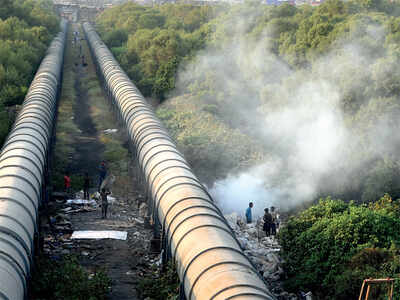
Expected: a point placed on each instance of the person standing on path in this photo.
(102, 173)
(67, 183)
(86, 184)
(104, 203)
(274, 221)
(267, 222)
(249, 217)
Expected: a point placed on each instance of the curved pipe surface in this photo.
(208, 257)
(22, 165)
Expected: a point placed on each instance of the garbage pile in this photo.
(263, 251)
(57, 226)
(57, 241)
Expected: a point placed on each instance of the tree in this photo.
(26, 29)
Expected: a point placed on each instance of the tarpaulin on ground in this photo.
(81, 202)
(100, 234)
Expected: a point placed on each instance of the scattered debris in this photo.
(108, 182)
(143, 210)
(111, 200)
(137, 220)
(110, 131)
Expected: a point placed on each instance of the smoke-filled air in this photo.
(313, 142)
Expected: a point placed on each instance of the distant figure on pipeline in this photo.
(249, 217)
(102, 174)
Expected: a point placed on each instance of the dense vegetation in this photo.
(26, 29)
(309, 93)
(151, 43)
(333, 246)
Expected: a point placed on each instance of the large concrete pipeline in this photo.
(209, 260)
(22, 164)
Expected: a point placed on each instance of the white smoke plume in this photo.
(300, 119)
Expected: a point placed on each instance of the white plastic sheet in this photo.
(100, 234)
(81, 202)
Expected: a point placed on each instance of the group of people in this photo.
(86, 185)
(271, 221)
(270, 218)
(75, 41)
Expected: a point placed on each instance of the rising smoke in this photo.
(297, 115)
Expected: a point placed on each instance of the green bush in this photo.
(160, 286)
(332, 246)
(4, 124)
(67, 280)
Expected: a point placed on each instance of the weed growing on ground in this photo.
(160, 285)
(66, 279)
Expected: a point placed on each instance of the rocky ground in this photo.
(263, 251)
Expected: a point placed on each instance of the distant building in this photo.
(280, 2)
(316, 2)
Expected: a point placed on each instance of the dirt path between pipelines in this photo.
(90, 149)
(124, 261)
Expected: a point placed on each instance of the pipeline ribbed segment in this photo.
(22, 162)
(210, 262)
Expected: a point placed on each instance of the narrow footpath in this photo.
(84, 117)
(89, 146)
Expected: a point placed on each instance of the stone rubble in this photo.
(263, 251)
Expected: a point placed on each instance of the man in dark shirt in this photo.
(267, 222)
(86, 184)
(104, 203)
(102, 173)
